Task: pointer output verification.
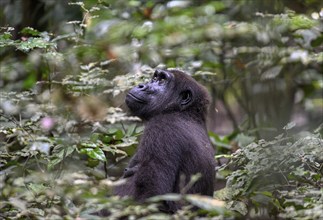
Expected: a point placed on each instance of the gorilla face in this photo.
(168, 91)
(157, 96)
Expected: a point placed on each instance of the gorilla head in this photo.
(168, 91)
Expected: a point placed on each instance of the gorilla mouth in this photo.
(136, 98)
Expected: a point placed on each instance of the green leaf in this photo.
(92, 162)
(53, 162)
(267, 193)
(238, 206)
(244, 140)
(229, 156)
(168, 197)
(301, 22)
(271, 73)
(207, 203)
(317, 42)
(33, 43)
(289, 126)
(95, 153)
(5, 36)
(30, 81)
(5, 40)
(37, 188)
(30, 31)
(218, 141)
(118, 135)
(131, 129)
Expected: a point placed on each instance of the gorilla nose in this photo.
(142, 87)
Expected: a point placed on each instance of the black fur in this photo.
(175, 142)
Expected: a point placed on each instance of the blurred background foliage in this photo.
(66, 135)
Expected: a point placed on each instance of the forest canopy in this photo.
(66, 134)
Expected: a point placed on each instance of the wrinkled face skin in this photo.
(168, 91)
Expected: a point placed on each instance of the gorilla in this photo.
(175, 143)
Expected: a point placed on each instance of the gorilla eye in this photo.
(186, 97)
(162, 76)
(159, 77)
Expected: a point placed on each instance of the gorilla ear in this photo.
(186, 97)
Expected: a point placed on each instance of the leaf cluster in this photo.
(282, 177)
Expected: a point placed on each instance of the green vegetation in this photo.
(65, 136)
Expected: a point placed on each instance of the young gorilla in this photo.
(175, 142)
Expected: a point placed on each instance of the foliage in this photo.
(65, 135)
(282, 177)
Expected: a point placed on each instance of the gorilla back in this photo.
(175, 142)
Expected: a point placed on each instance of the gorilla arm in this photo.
(157, 177)
(132, 168)
(155, 166)
(130, 171)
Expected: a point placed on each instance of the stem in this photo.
(227, 83)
